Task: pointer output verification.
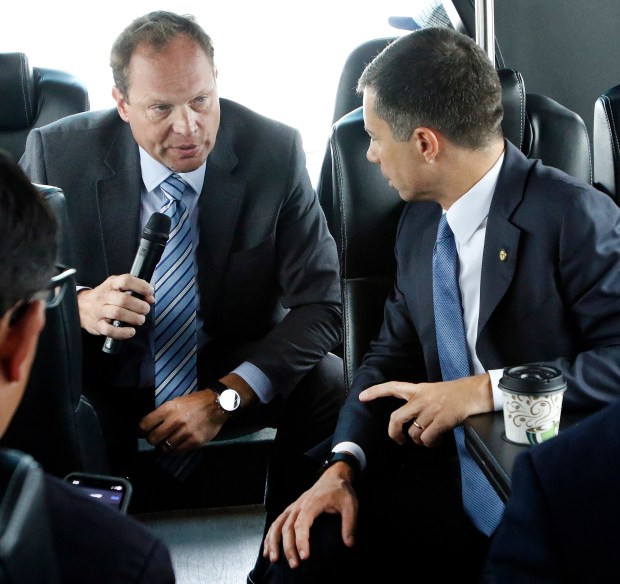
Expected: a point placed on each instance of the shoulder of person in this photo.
(85, 121)
(98, 545)
(69, 509)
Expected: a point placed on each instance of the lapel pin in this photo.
(503, 255)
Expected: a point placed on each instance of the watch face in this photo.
(229, 400)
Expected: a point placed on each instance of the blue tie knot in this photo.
(443, 229)
(174, 186)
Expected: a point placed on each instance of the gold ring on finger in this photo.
(418, 426)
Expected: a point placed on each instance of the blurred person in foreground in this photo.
(93, 543)
(561, 521)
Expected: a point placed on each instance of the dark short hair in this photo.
(27, 237)
(156, 30)
(437, 78)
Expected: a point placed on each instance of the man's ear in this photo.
(121, 103)
(18, 342)
(427, 142)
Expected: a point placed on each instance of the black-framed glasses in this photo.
(52, 294)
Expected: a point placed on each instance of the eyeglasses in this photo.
(52, 294)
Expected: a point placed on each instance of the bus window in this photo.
(279, 58)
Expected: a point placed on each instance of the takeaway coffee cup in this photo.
(532, 402)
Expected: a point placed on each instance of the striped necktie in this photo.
(175, 314)
(480, 501)
(175, 302)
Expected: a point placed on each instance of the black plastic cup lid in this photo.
(532, 378)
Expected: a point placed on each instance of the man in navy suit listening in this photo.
(522, 257)
(93, 543)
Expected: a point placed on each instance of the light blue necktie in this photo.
(175, 310)
(480, 501)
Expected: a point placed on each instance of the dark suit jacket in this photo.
(562, 520)
(555, 298)
(96, 544)
(267, 265)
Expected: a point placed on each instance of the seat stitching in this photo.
(343, 239)
(25, 94)
(522, 94)
(615, 144)
(585, 129)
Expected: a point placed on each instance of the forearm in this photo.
(296, 344)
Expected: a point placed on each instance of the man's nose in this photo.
(371, 154)
(185, 120)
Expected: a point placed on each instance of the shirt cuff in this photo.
(257, 380)
(354, 449)
(498, 395)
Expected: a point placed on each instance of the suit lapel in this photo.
(501, 245)
(423, 273)
(118, 200)
(219, 208)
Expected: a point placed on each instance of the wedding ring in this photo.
(418, 426)
(168, 445)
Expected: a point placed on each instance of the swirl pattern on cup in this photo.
(532, 411)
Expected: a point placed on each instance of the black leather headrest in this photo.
(606, 141)
(17, 92)
(513, 100)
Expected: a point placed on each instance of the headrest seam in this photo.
(613, 134)
(522, 93)
(24, 80)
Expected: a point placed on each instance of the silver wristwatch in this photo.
(228, 400)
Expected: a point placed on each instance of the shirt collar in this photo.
(467, 214)
(154, 172)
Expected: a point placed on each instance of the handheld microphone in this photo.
(152, 244)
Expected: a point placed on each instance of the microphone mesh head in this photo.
(157, 228)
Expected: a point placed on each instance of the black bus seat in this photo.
(32, 97)
(606, 143)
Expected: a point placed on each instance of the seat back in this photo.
(26, 544)
(366, 210)
(33, 97)
(606, 142)
(364, 220)
(54, 422)
(347, 99)
(542, 128)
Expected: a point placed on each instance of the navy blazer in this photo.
(562, 521)
(555, 297)
(96, 544)
(267, 266)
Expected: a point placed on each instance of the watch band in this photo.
(341, 456)
(217, 386)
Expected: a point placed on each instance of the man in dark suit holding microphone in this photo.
(246, 306)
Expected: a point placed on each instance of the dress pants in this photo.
(308, 416)
(411, 527)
